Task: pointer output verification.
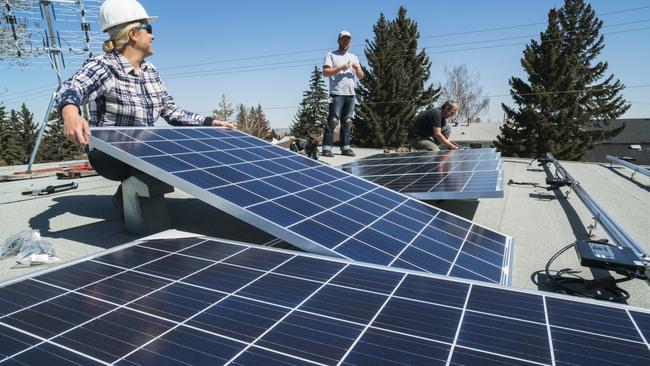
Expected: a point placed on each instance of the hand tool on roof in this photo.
(51, 189)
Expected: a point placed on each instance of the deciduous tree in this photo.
(224, 111)
(463, 87)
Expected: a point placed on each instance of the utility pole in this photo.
(54, 53)
(52, 46)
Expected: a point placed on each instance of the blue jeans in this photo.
(341, 111)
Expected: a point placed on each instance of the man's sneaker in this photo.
(348, 152)
(327, 154)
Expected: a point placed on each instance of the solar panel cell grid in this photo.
(258, 305)
(306, 203)
(457, 174)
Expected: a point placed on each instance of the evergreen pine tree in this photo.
(313, 109)
(55, 146)
(12, 149)
(394, 89)
(565, 90)
(252, 121)
(5, 134)
(259, 124)
(224, 111)
(27, 131)
(242, 120)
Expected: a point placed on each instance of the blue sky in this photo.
(207, 48)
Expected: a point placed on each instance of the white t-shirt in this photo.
(342, 83)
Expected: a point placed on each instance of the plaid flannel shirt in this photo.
(120, 97)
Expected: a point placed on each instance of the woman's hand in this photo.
(75, 127)
(225, 124)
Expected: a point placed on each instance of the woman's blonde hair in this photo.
(119, 38)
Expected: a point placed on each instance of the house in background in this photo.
(633, 142)
(475, 135)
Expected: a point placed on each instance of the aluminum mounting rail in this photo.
(627, 164)
(620, 236)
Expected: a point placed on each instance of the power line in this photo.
(284, 65)
(300, 63)
(356, 46)
(523, 25)
(433, 36)
(488, 96)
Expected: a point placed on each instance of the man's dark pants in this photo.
(112, 169)
(431, 144)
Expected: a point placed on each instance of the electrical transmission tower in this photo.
(47, 33)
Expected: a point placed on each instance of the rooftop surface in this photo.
(83, 221)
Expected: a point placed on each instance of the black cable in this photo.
(599, 289)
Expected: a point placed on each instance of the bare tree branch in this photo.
(462, 86)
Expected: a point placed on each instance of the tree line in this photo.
(18, 133)
(565, 92)
(250, 120)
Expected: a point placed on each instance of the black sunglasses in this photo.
(146, 27)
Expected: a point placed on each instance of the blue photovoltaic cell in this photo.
(580, 317)
(251, 305)
(516, 338)
(175, 345)
(23, 294)
(113, 334)
(48, 354)
(57, 315)
(13, 342)
(643, 322)
(239, 318)
(457, 174)
(313, 206)
(259, 356)
(507, 303)
(378, 347)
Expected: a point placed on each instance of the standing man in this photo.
(341, 67)
(430, 129)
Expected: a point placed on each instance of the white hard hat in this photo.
(116, 12)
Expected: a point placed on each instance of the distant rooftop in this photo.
(636, 130)
(476, 132)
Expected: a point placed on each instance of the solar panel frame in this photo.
(462, 154)
(518, 318)
(298, 239)
(441, 175)
(433, 191)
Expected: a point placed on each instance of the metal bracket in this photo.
(145, 209)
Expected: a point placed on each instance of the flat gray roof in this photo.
(83, 221)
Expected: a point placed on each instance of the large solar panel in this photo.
(309, 204)
(447, 174)
(203, 301)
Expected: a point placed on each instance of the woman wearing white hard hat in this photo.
(123, 88)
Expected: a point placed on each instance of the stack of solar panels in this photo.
(202, 301)
(447, 174)
(311, 205)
